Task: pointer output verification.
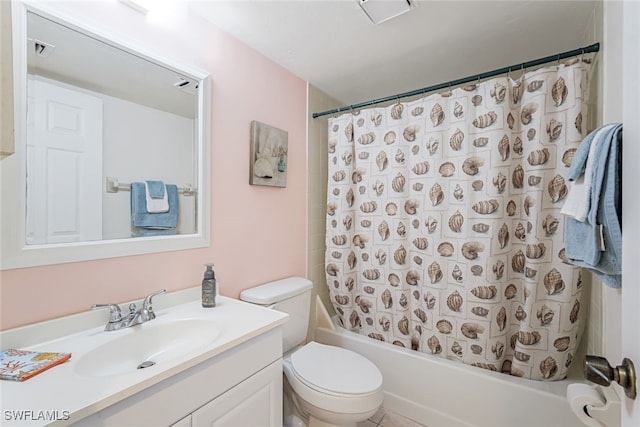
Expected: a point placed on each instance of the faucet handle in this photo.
(147, 303)
(115, 316)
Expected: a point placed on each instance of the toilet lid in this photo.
(335, 370)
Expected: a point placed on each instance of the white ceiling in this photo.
(84, 61)
(333, 45)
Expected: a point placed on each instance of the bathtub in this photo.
(438, 392)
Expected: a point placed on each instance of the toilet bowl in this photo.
(325, 385)
(332, 386)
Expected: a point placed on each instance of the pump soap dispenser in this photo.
(209, 287)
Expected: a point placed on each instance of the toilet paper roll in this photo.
(581, 397)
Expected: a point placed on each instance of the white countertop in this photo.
(63, 390)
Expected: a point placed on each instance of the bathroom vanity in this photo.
(219, 365)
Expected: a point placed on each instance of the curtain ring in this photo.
(558, 61)
(582, 55)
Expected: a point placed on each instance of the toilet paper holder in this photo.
(598, 370)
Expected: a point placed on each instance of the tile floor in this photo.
(386, 418)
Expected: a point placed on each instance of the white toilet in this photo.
(325, 385)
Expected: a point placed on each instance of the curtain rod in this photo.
(587, 49)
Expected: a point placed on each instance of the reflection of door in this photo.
(631, 201)
(64, 164)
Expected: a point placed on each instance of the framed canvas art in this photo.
(268, 155)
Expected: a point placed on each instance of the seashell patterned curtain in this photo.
(444, 232)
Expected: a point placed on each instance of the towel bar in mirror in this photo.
(114, 185)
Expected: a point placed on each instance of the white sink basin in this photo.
(150, 342)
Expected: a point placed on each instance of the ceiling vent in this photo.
(380, 11)
(43, 49)
(186, 85)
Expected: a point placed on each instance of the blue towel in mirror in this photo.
(156, 189)
(155, 221)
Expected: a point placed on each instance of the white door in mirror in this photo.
(64, 164)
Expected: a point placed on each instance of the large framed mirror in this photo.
(112, 146)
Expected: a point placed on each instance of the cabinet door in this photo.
(255, 402)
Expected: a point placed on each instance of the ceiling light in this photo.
(380, 11)
(166, 12)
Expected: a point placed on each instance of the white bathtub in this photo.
(441, 393)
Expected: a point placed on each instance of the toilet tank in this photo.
(292, 296)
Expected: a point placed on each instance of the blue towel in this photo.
(596, 243)
(580, 157)
(156, 189)
(156, 221)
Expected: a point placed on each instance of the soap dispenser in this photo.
(209, 287)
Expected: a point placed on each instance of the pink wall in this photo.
(258, 233)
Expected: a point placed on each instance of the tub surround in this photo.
(488, 399)
(236, 322)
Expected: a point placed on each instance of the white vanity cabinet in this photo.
(241, 386)
(257, 401)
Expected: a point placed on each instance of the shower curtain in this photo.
(444, 232)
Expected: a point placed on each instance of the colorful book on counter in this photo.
(20, 365)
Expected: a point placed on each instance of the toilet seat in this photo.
(334, 378)
(335, 371)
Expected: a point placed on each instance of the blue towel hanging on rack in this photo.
(140, 218)
(596, 243)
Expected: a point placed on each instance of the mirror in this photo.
(95, 119)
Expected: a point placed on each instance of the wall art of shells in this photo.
(268, 151)
(444, 230)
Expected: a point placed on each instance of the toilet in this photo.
(324, 385)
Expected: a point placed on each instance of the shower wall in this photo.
(317, 190)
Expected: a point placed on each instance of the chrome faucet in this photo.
(135, 317)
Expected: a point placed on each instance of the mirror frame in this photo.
(15, 253)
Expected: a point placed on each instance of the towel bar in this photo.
(113, 186)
